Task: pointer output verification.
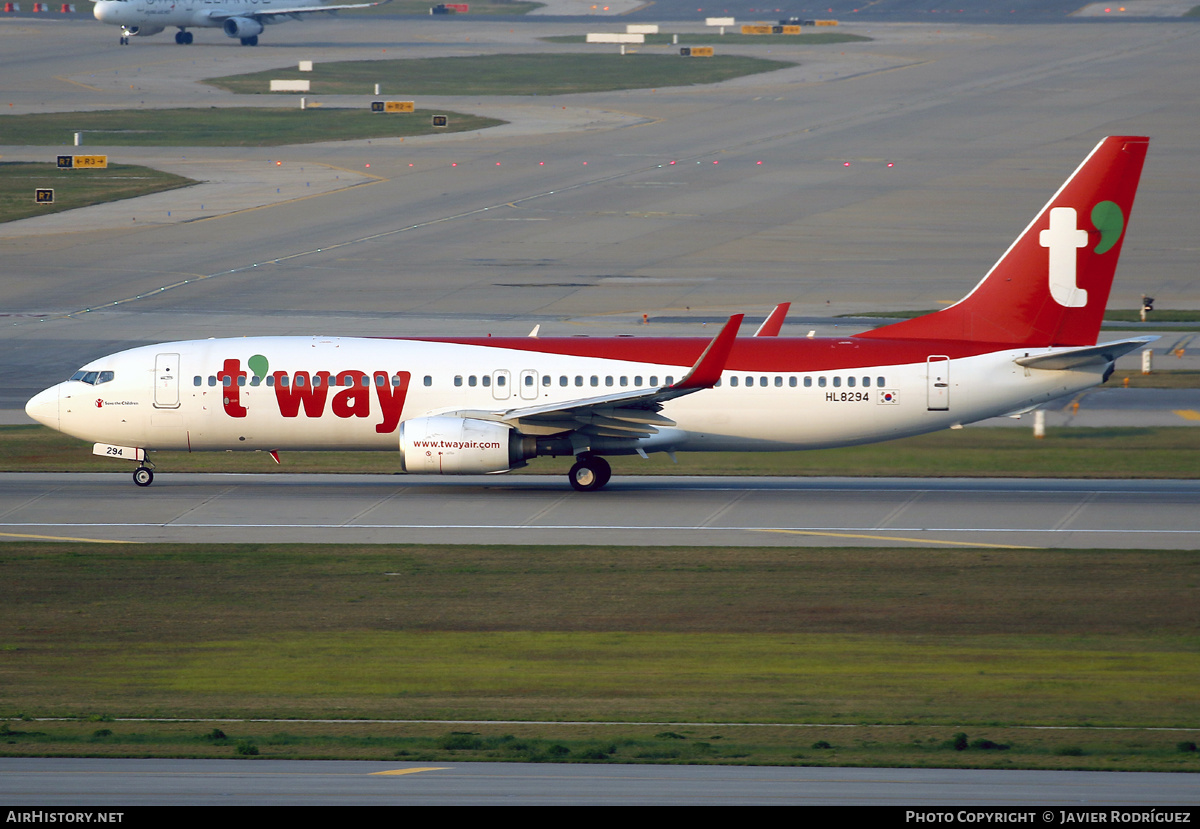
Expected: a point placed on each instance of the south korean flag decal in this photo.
(888, 396)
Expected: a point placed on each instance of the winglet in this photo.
(708, 368)
(774, 321)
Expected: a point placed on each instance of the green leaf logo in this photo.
(1107, 218)
(259, 365)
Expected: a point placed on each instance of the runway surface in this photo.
(70, 782)
(655, 510)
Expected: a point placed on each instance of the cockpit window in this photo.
(92, 378)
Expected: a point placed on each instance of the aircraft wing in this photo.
(631, 414)
(266, 15)
(1088, 355)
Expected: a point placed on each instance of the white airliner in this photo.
(243, 19)
(471, 405)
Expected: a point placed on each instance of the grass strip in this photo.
(866, 745)
(225, 126)
(504, 75)
(926, 642)
(75, 188)
(1157, 452)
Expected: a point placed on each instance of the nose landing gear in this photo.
(143, 476)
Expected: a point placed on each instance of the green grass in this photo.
(731, 38)
(925, 642)
(1158, 452)
(75, 188)
(504, 75)
(225, 126)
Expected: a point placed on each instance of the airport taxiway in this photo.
(50, 782)
(589, 210)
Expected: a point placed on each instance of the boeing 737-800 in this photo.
(243, 19)
(1026, 334)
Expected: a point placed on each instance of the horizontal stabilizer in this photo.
(1076, 357)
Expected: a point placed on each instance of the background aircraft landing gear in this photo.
(589, 473)
(250, 41)
(143, 476)
(183, 38)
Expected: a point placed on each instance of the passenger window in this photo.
(595, 381)
(792, 382)
(546, 380)
(866, 382)
(471, 380)
(562, 380)
(608, 381)
(762, 381)
(879, 382)
(778, 382)
(198, 381)
(578, 379)
(850, 382)
(458, 380)
(486, 380)
(837, 382)
(733, 382)
(821, 382)
(428, 380)
(529, 379)
(653, 380)
(637, 380)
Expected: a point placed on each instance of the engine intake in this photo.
(242, 27)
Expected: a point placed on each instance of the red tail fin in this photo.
(1052, 285)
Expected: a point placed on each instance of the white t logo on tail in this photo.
(1063, 238)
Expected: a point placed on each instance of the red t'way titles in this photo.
(352, 401)
(310, 392)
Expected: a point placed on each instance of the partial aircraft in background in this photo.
(243, 19)
(474, 405)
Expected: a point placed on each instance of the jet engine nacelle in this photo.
(141, 31)
(242, 27)
(461, 446)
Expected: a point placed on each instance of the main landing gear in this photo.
(590, 472)
(183, 38)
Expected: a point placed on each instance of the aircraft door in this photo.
(529, 384)
(166, 381)
(501, 389)
(938, 383)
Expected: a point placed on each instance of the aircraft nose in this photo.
(43, 407)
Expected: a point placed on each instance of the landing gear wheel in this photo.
(179, 38)
(143, 476)
(250, 41)
(187, 38)
(589, 473)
